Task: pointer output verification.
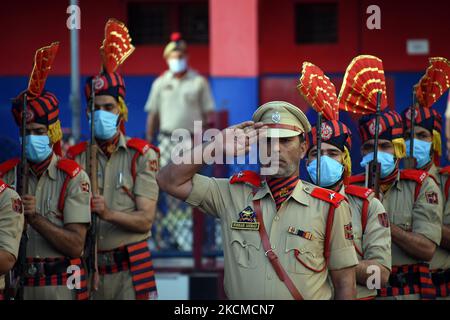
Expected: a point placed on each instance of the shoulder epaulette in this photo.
(69, 166)
(357, 191)
(332, 197)
(415, 175)
(445, 170)
(141, 145)
(3, 186)
(8, 165)
(356, 179)
(76, 150)
(248, 176)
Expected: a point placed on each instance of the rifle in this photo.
(14, 281)
(319, 144)
(373, 178)
(92, 168)
(410, 162)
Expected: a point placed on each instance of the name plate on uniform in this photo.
(245, 225)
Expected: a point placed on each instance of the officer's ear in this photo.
(303, 146)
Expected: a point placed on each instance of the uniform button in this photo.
(302, 251)
(276, 218)
(269, 277)
(306, 188)
(273, 247)
(244, 242)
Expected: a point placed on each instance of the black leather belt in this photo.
(440, 276)
(403, 279)
(112, 258)
(34, 269)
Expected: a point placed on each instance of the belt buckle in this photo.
(106, 259)
(32, 270)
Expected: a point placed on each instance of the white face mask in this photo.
(177, 65)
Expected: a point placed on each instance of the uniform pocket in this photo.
(124, 196)
(245, 246)
(49, 209)
(305, 256)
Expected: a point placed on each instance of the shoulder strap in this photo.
(3, 186)
(72, 169)
(363, 194)
(141, 147)
(247, 176)
(332, 197)
(357, 179)
(273, 258)
(446, 171)
(8, 165)
(418, 176)
(76, 150)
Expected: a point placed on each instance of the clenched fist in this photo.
(99, 207)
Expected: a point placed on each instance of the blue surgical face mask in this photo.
(421, 152)
(105, 124)
(37, 148)
(177, 65)
(385, 159)
(330, 171)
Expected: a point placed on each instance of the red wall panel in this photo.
(33, 24)
(400, 20)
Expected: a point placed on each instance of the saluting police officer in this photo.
(274, 227)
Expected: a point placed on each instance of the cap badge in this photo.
(98, 83)
(327, 131)
(276, 118)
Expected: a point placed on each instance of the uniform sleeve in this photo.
(446, 215)
(77, 207)
(427, 212)
(147, 168)
(207, 100)
(377, 237)
(209, 194)
(11, 221)
(343, 254)
(153, 100)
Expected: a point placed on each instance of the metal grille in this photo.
(316, 23)
(149, 23)
(194, 21)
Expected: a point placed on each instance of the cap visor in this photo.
(281, 133)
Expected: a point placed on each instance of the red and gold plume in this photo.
(317, 89)
(116, 47)
(363, 78)
(434, 83)
(43, 61)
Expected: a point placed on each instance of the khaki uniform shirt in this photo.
(248, 272)
(375, 243)
(47, 190)
(423, 216)
(179, 102)
(11, 223)
(441, 258)
(115, 174)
